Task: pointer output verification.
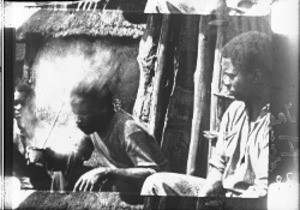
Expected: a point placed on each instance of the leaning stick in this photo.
(52, 126)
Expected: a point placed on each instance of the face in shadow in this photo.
(89, 116)
(20, 103)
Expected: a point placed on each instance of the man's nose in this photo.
(78, 120)
(226, 81)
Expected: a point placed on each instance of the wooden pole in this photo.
(202, 81)
(146, 60)
(161, 58)
(215, 88)
(163, 70)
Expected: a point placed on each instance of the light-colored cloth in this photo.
(242, 155)
(172, 184)
(20, 138)
(242, 150)
(127, 144)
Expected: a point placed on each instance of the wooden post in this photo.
(202, 81)
(146, 60)
(178, 120)
(163, 73)
(215, 88)
(156, 61)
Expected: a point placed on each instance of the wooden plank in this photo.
(82, 200)
(207, 203)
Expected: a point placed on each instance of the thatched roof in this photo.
(52, 23)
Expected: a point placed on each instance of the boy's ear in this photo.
(257, 76)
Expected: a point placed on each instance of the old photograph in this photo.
(150, 104)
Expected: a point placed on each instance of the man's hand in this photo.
(35, 156)
(92, 180)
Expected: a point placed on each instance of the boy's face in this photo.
(238, 83)
(87, 117)
(20, 101)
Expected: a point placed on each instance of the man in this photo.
(31, 176)
(126, 152)
(239, 167)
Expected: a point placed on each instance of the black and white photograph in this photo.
(150, 104)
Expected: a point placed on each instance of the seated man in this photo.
(126, 152)
(239, 166)
(31, 176)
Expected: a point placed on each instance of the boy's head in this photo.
(23, 98)
(246, 65)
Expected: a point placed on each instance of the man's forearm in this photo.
(133, 174)
(60, 162)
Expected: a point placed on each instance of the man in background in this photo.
(31, 176)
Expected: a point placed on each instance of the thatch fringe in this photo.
(51, 23)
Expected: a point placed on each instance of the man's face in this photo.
(19, 103)
(85, 115)
(88, 118)
(237, 82)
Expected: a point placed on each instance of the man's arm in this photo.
(144, 153)
(59, 162)
(134, 174)
(95, 177)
